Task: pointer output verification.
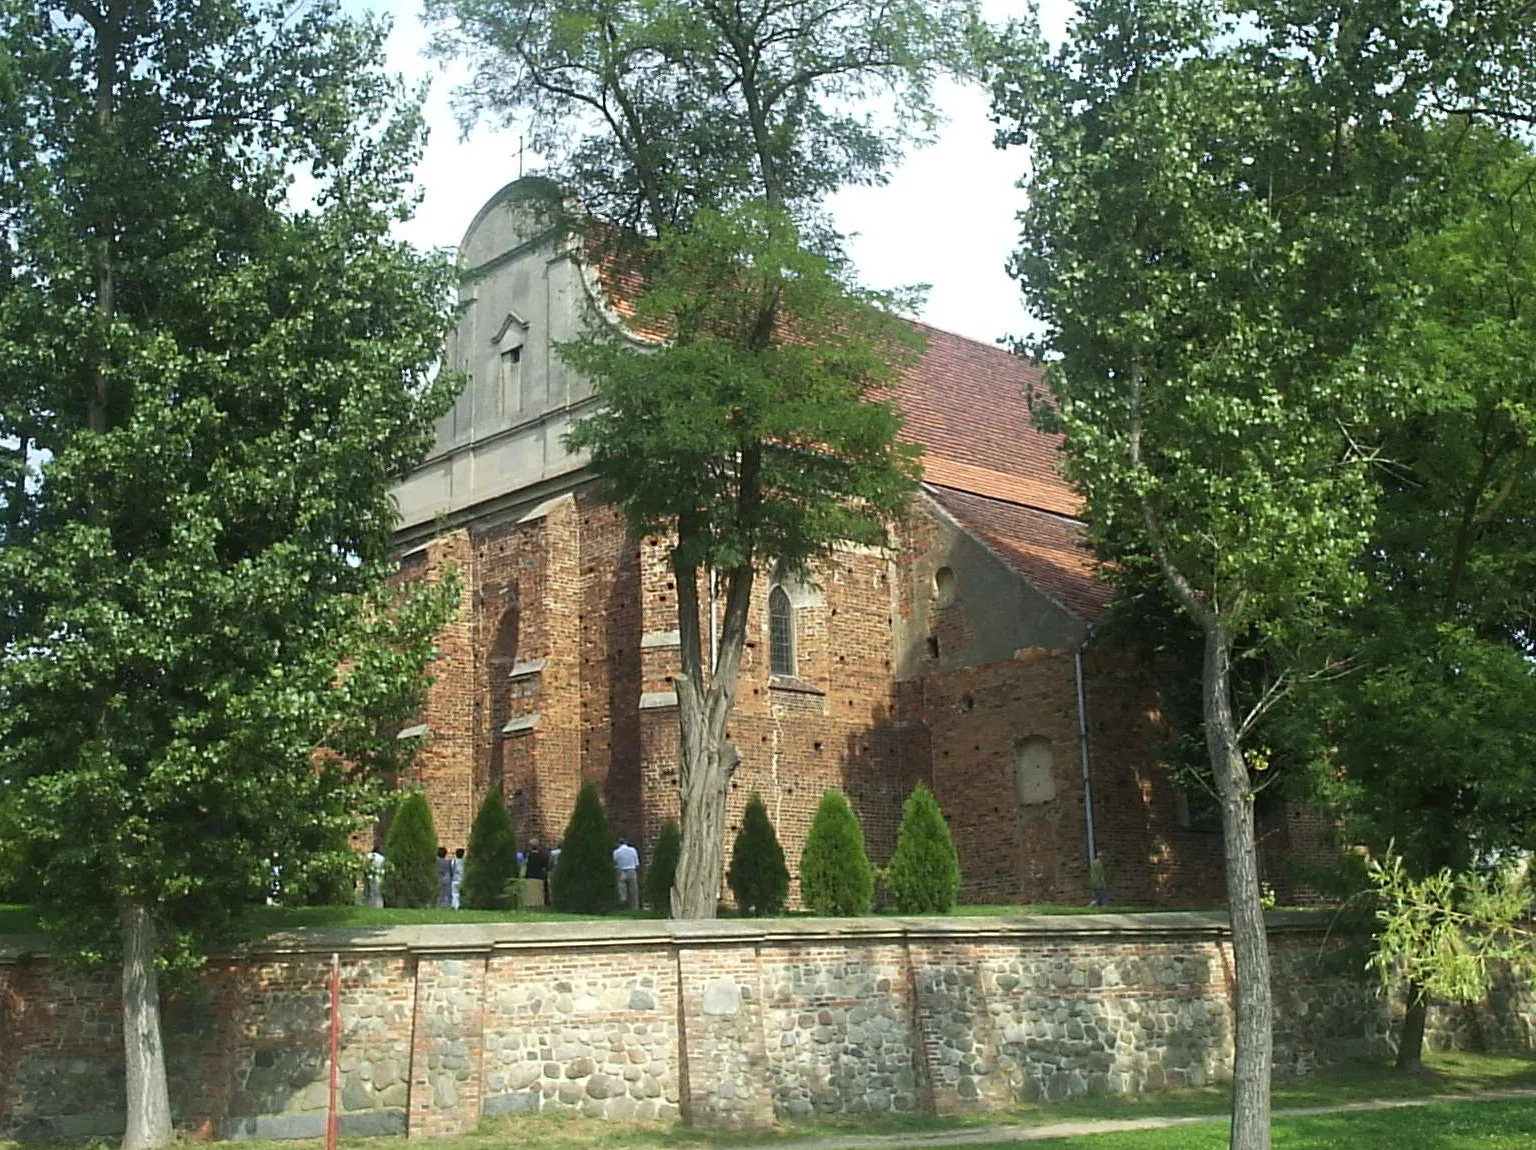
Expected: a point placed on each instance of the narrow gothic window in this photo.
(781, 633)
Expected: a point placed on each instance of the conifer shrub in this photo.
(410, 854)
(924, 873)
(662, 871)
(835, 875)
(490, 863)
(584, 882)
(758, 875)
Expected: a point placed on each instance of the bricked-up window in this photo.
(781, 633)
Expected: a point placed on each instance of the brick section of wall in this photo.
(446, 1046)
(732, 1024)
(445, 767)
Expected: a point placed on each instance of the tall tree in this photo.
(1210, 204)
(218, 388)
(1433, 742)
(711, 131)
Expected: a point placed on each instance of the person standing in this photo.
(444, 879)
(373, 880)
(538, 869)
(456, 878)
(626, 860)
(1097, 882)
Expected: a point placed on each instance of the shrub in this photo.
(410, 854)
(924, 875)
(662, 872)
(490, 863)
(584, 882)
(835, 875)
(758, 876)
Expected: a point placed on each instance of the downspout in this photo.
(714, 639)
(1082, 743)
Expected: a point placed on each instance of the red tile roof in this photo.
(967, 405)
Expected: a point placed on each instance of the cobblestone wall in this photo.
(730, 1024)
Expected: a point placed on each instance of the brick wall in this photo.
(560, 667)
(729, 1023)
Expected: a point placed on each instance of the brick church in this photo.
(961, 657)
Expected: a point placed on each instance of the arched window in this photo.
(781, 633)
(944, 586)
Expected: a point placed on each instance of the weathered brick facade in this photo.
(962, 655)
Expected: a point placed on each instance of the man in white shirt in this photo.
(626, 860)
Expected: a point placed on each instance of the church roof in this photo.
(995, 472)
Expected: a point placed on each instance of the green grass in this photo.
(1484, 1125)
(1446, 1126)
(19, 919)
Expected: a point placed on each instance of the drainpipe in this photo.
(714, 642)
(1082, 743)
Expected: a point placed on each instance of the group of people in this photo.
(536, 864)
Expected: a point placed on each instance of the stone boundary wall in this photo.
(730, 1023)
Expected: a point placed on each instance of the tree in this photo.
(662, 872)
(1213, 203)
(835, 875)
(584, 881)
(490, 863)
(215, 389)
(1434, 755)
(758, 876)
(410, 854)
(709, 133)
(1450, 933)
(924, 875)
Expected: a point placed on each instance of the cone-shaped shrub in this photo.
(758, 877)
(924, 875)
(410, 854)
(662, 871)
(835, 875)
(491, 861)
(584, 882)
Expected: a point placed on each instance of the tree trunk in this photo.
(1410, 1047)
(706, 759)
(149, 1101)
(1253, 1043)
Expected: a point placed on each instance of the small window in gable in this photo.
(944, 586)
(511, 379)
(781, 633)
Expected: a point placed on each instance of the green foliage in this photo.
(654, 112)
(584, 880)
(1433, 735)
(795, 394)
(1450, 933)
(490, 863)
(924, 873)
(218, 391)
(410, 854)
(835, 875)
(662, 871)
(758, 876)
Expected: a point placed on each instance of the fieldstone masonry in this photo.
(729, 1024)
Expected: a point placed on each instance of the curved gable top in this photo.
(519, 213)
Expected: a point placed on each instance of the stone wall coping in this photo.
(480, 938)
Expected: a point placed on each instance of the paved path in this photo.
(992, 1135)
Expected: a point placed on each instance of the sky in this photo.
(946, 218)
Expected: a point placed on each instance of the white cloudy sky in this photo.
(946, 218)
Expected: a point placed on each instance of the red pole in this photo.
(330, 1117)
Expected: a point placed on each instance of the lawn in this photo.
(1445, 1126)
(16, 919)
